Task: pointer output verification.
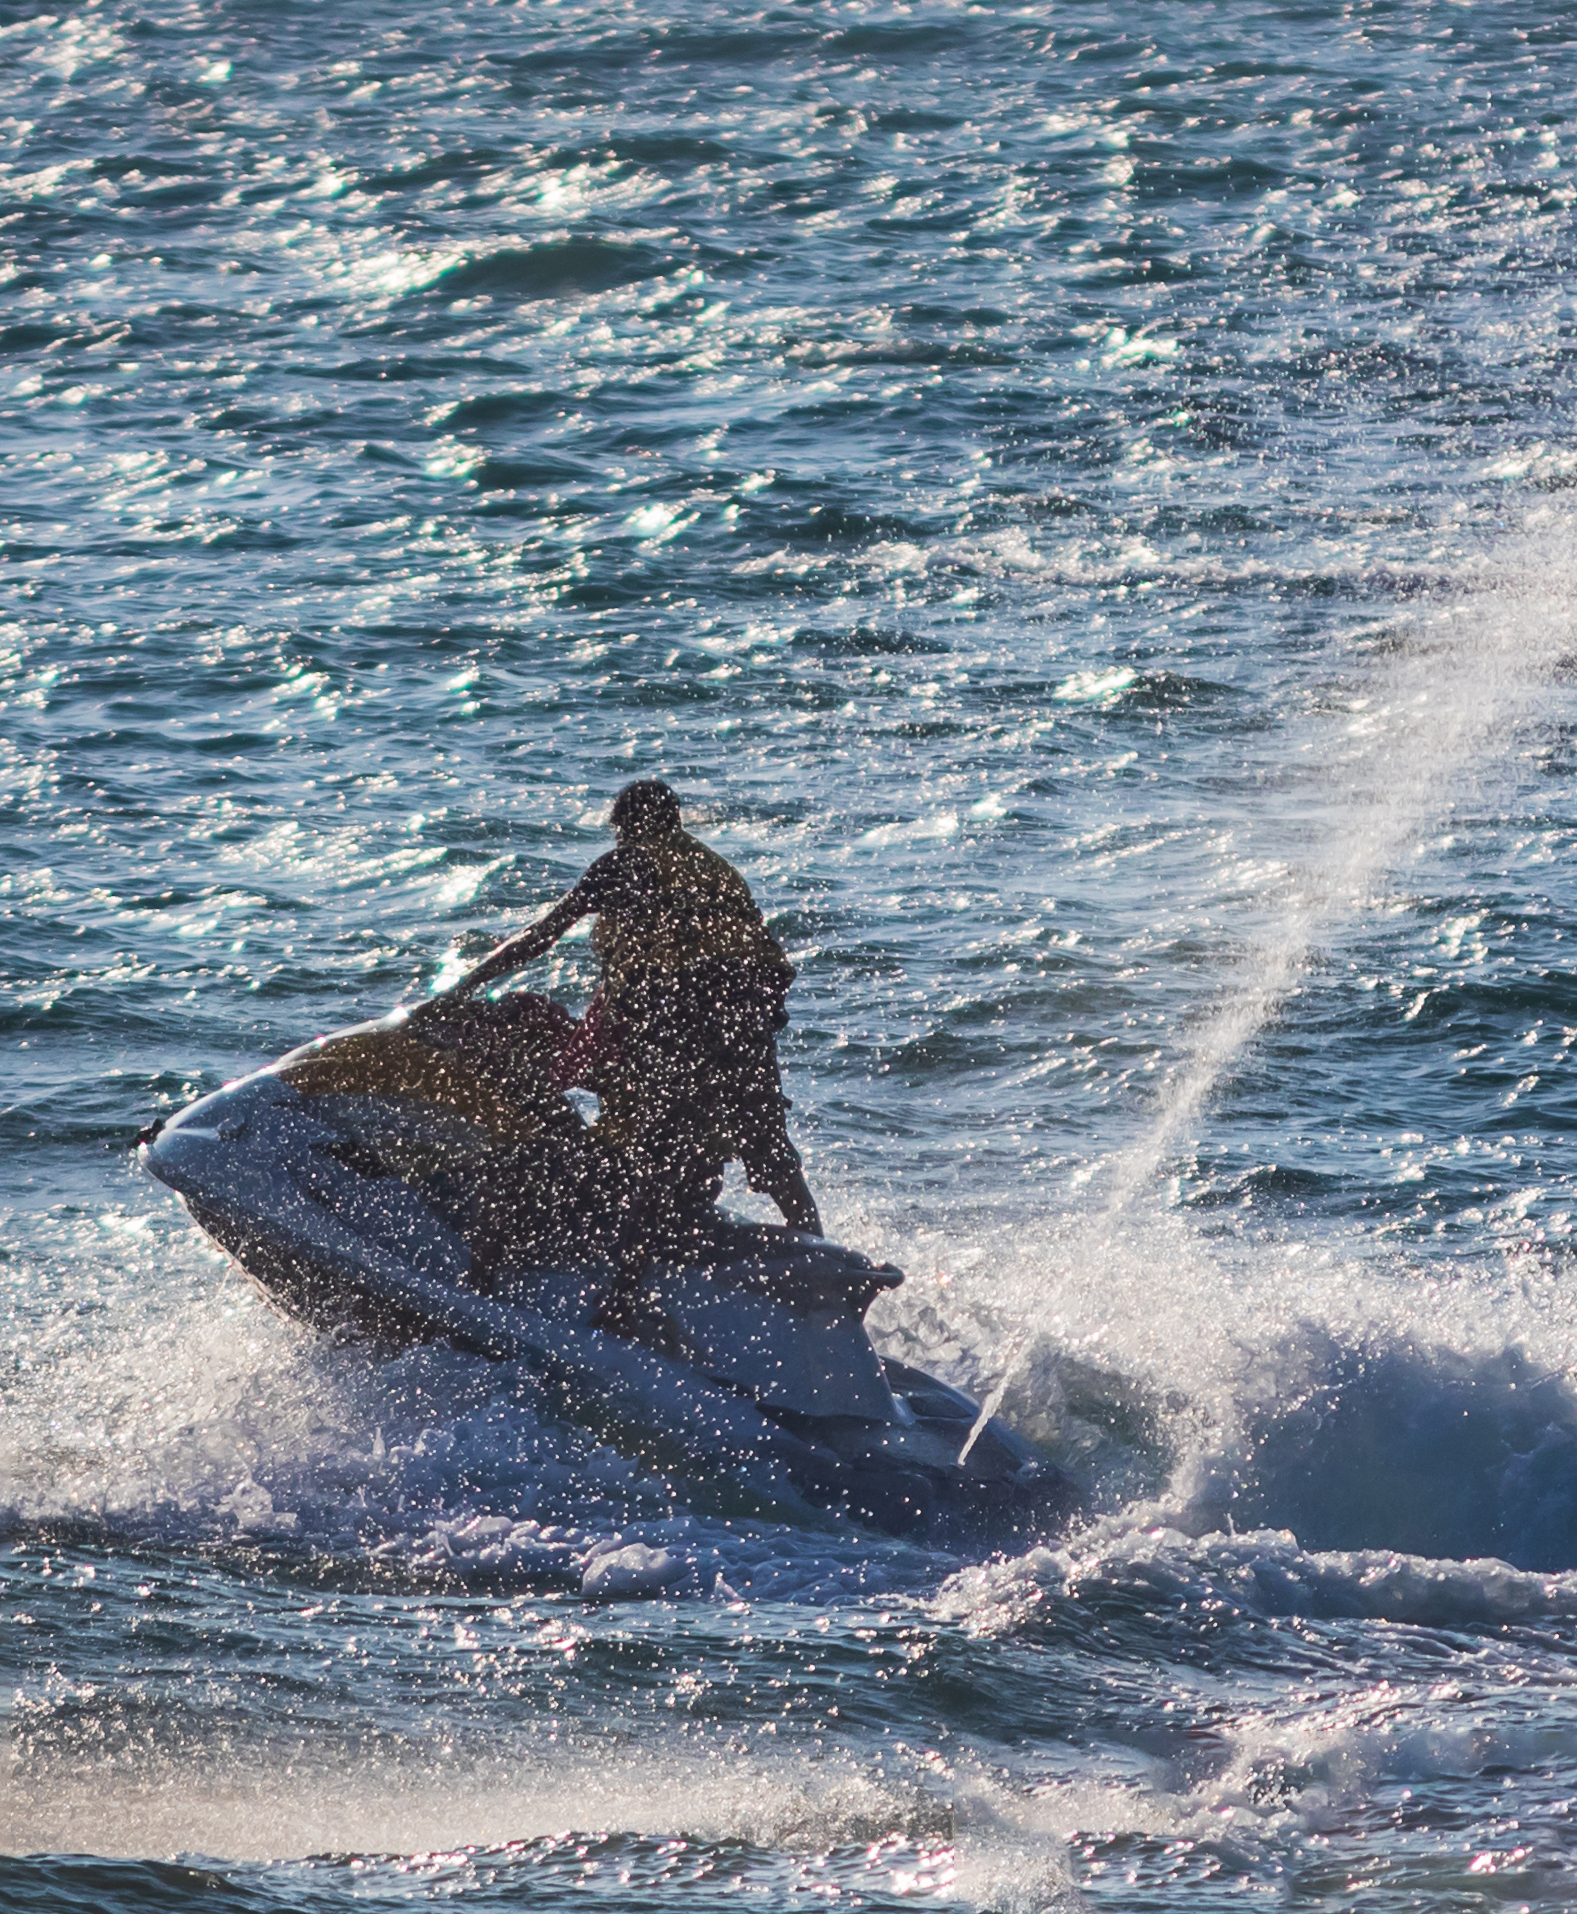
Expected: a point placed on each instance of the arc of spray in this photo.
(1468, 677)
(1470, 674)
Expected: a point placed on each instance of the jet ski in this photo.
(424, 1177)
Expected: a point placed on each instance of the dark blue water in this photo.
(1077, 501)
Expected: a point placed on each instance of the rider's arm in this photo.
(526, 944)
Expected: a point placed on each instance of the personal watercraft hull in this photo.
(754, 1366)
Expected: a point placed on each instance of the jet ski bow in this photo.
(422, 1178)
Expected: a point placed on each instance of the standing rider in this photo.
(692, 996)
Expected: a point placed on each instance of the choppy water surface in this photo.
(1077, 500)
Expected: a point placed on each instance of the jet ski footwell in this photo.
(753, 1365)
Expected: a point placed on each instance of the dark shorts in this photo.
(696, 1081)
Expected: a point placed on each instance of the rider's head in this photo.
(645, 810)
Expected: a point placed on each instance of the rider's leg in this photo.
(772, 1164)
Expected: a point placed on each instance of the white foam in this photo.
(271, 1803)
(633, 1569)
(1321, 1386)
(1263, 1573)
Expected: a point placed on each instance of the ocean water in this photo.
(1078, 499)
